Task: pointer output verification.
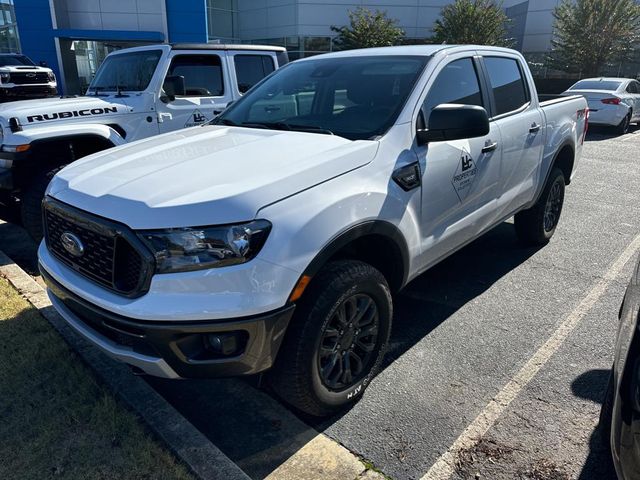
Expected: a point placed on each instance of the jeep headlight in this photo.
(200, 248)
(5, 77)
(52, 76)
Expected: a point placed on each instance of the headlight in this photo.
(52, 77)
(5, 77)
(199, 248)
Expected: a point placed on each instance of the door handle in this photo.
(164, 116)
(534, 128)
(217, 112)
(489, 147)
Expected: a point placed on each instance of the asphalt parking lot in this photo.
(462, 332)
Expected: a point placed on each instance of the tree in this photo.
(477, 22)
(367, 29)
(589, 34)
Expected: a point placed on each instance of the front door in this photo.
(459, 178)
(206, 92)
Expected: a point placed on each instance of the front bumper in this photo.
(173, 349)
(28, 91)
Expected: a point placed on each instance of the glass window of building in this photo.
(8, 28)
(222, 20)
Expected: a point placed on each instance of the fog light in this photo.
(227, 343)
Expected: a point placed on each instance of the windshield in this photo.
(126, 71)
(353, 97)
(19, 60)
(596, 85)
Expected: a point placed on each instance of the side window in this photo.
(250, 69)
(508, 85)
(458, 83)
(202, 74)
(632, 87)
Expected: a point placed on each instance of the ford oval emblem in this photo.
(72, 244)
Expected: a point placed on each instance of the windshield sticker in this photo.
(465, 175)
(196, 118)
(71, 114)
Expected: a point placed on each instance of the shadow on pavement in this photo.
(592, 385)
(598, 134)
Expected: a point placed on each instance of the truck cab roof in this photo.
(225, 46)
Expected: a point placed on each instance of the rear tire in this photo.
(623, 126)
(536, 225)
(336, 341)
(31, 203)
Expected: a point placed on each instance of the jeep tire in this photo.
(31, 203)
(337, 338)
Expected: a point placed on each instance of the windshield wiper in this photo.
(287, 126)
(221, 121)
(309, 128)
(96, 90)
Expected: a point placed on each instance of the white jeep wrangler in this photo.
(136, 93)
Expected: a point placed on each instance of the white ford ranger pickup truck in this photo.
(136, 93)
(272, 239)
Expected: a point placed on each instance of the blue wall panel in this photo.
(187, 21)
(36, 32)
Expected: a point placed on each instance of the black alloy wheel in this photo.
(348, 342)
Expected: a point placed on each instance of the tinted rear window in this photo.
(250, 69)
(509, 88)
(596, 85)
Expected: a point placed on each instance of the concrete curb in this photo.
(205, 460)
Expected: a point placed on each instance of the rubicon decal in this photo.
(74, 113)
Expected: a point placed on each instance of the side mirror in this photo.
(43, 63)
(454, 122)
(173, 87)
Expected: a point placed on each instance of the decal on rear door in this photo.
(465, 175)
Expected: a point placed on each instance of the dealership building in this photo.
(74, 36)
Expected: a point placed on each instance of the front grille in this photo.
(23, 78)
(111, 256)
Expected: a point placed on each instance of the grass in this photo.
(56, 420)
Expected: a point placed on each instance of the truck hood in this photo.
(204, 175)
(48, 111)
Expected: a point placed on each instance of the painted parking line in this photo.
(444, 467)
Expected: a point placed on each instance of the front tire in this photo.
(31, 203)
(536, 225)
(337, 339)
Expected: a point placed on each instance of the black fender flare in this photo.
(380, 228)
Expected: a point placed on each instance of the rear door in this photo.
(459, 178)
(520, 120)
(249, 67)
(207, 90)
